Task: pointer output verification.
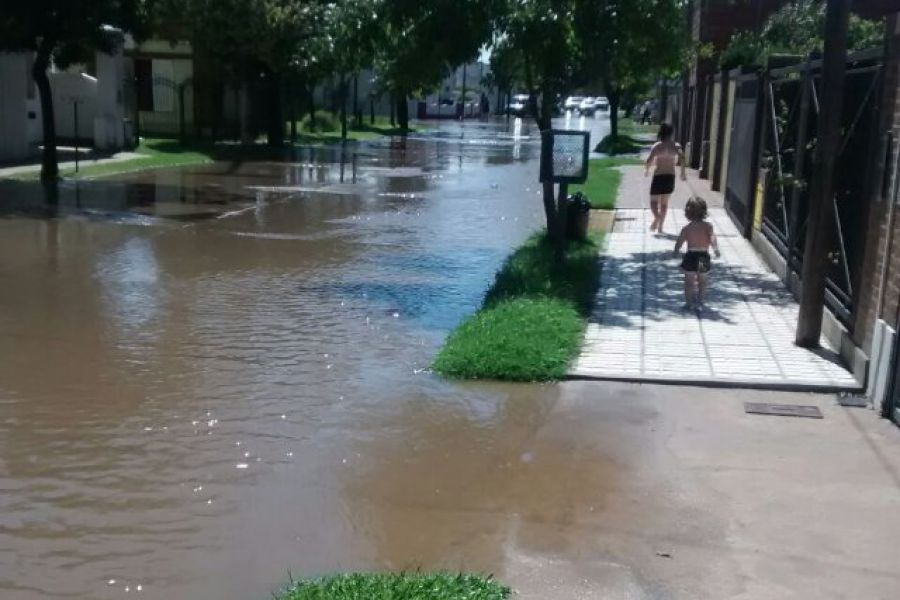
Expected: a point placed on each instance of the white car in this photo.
(587, 106)
(573, 103)
(601, 103)
(519, 104)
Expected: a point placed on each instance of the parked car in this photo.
(573, 103)
(587, 106)
(518, 105)
(602, 104)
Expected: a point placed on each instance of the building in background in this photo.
(88, 104)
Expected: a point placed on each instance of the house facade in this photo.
(88, 107)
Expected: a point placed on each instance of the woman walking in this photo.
(665, 156)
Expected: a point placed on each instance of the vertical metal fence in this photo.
(791, 108)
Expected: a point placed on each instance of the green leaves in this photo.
(797, 28)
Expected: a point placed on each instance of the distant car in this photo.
(518, 105)
(587, 106)
(573, 103)
(601, 103)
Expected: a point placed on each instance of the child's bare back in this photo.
(699, 236)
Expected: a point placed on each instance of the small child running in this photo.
(699, 236)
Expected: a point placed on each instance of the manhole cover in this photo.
(783, 410)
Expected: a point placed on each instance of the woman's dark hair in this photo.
(665, 132)
(695, 209)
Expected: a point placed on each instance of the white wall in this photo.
(109, 132)
(14, 126)
(68, 87)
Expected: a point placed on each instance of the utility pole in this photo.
(821, 198)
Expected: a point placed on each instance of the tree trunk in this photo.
(508, 101)
(312, 108)
(547, 100)
(275, 133)
(497, 110)
(402, 111)
(49, 161)
(343, 89)
(292, 110)
(357, 112)
(392, 101)
(614, 115)
(371, 110)
(545, 123)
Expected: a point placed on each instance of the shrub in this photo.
(324, 122)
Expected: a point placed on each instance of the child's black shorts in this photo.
(696, 261)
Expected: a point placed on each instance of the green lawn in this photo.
(156, 153)
(629, 126)
(633, 137)
(531, 323)
(403, 586)
(328, 129)
(602, 185)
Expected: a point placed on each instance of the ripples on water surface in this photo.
(216, 374)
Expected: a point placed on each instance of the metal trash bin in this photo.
(578, 214)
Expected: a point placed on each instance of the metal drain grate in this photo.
(853, 400)
(783, 410)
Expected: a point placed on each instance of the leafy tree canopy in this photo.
(628, 44)
(796, 28)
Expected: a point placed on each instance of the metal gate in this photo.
(790, 109)
(743, 156)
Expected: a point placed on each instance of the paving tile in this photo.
(746, 335)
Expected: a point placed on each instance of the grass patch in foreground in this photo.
(531, 324)
(402, 586)
(602, 185)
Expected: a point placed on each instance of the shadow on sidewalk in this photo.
(650, 285)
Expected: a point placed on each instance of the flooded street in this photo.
(217, 375)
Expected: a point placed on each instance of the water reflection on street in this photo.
(213, 375)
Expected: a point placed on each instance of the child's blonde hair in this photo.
(695, 209)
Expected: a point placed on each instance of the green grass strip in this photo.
(156, 153)
(629, 126)
(401, 586)
(602, 185)
(533, 317)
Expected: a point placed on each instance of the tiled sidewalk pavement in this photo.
(639, 331)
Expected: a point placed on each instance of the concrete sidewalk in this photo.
(688, 497)
(639, 331)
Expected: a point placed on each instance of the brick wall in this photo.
(868, 303)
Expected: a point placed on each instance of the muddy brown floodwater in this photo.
(213, 376)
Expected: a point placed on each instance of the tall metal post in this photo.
(821, 200)
(75, 109)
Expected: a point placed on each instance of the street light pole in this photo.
(821, 200)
